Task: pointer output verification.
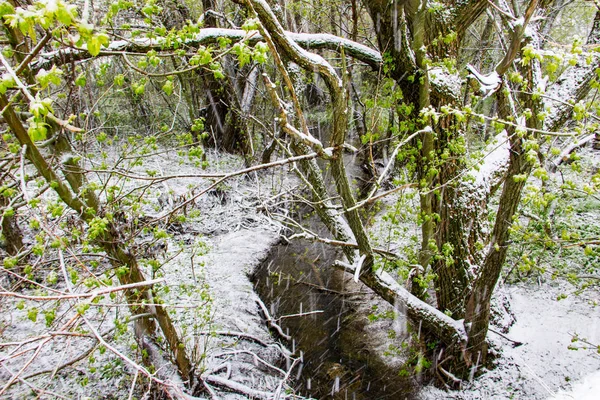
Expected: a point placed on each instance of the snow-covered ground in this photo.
(587, 388)
(544, 367)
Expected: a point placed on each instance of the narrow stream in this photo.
(297, 278)
(337, 362)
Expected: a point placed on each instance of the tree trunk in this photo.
(11, 231)
(478, 305)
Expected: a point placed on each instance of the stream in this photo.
(297, 278)
(338, 360)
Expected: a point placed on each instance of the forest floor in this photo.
(544, 366)
(237, 235)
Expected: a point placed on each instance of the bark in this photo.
(477, 316)
(574, 84)
(478, 305)
(13, 236)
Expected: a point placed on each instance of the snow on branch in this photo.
(208, 36)
(450, 331)
(574, 84)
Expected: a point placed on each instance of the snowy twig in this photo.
(302, 314)
(237, 387)
(285, 378)
(254, 356)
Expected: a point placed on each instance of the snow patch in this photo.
(587, 388)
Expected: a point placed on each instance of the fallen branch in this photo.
(237, 387)
(448, 330)
(515, 343)
(271, 322)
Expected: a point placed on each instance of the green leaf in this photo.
(251, 25)
(223, 42)
(45, 78)
(32, 314)
(139, 87)
(168, 88)
(50, 316)
(98, 226)
(41, 108)
(119, 80)
(66, 13)
(6, 8)
(93, 46)
(81, 80)
(6, 83)
(37, 131)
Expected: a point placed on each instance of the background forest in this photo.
(161, 160)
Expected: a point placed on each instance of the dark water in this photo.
(337, 363)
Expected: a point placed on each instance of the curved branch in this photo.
(209, 36)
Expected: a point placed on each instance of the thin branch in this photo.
(90, 295)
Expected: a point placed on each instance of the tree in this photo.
(422, 62)
(418, 39)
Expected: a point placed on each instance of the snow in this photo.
(587, 388)
(445, 82)
(495, 161)
(488, 83)
(543, 367)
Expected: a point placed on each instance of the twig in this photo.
(285, 378)
(133, 385)
(324, 289)
(25, 366)
(238, 387)
(449, 375)
(309, 235)
(90, 295)
(516, 343)
(271, 321)
(255, 356)
(302, 314)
